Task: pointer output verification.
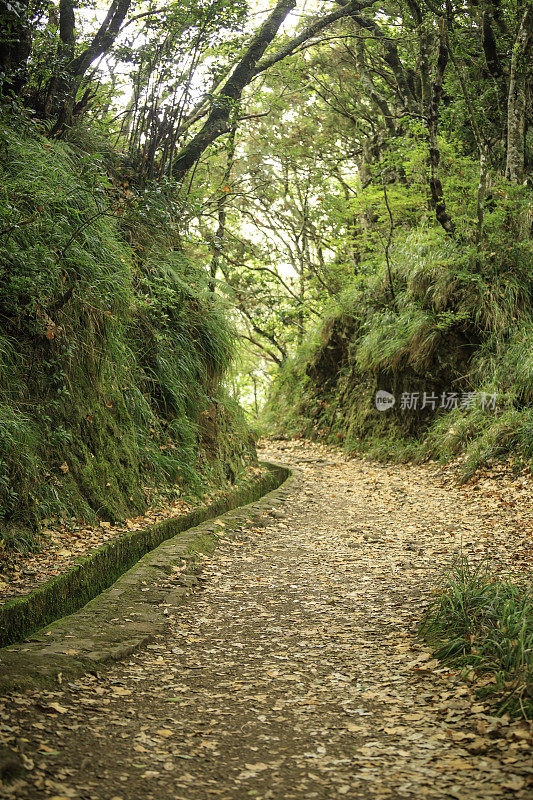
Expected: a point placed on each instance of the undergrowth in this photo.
(483, 623)
(112, 350)
(461, 324)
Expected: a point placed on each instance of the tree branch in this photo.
(104, 37)
(309, 32)
(218, 120)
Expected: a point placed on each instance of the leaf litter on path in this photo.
(62, 544)
(296, 671)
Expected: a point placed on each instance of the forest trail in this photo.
(295, 672)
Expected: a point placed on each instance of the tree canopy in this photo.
(296, 142)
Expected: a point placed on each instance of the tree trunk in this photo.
(516, 102)
(494, 65)
(435, 186)
(221, 209)
(218, 121)
(102, 42)
(481, 193)
(59, 85)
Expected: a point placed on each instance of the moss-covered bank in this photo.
(455, 348)
(112, 350)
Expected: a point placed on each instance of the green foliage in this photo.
(288, 395)
(317, 204)
(57, 236)
(182, 347)
(112, 351)
(461, 321)
(482, 621)
(19, 469)
(410, 337)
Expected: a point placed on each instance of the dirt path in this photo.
(294, 672)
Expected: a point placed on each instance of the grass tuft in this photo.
(483, 622)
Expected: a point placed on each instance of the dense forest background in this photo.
(206, 203)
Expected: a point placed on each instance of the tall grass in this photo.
(111, 347)
(483, 622)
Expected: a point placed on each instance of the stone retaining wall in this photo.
(66, 593)
(131, 610)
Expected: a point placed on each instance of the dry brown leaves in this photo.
(296, 672)
(63, 545)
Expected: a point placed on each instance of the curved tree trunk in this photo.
(218, 121)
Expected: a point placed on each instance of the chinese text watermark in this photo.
(411, 401)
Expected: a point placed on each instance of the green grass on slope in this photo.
(112, 351)
(462, 322)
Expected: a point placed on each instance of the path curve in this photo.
(294, 673)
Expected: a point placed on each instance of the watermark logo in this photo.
(412, 401)
(384, 400)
